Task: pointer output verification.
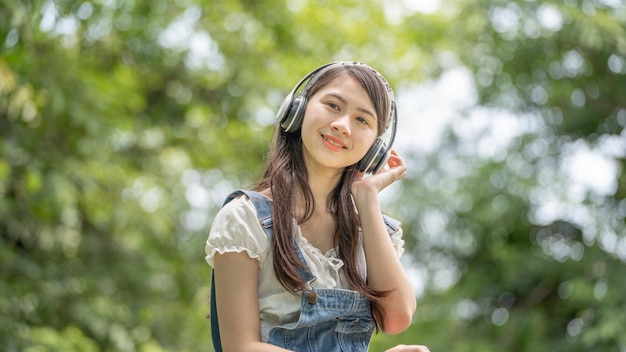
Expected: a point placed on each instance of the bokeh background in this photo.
(124, 123)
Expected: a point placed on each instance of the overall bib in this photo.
(330, 319)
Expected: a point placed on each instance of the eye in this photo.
(333, 106)
(362, 120)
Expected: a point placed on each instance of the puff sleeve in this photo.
(236, 228)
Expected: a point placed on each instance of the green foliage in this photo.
(123, 124)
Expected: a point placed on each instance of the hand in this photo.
(408, 348)
(390, 173)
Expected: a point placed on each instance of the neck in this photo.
(323, 182)
(321, 185)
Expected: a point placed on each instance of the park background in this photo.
(124, 123)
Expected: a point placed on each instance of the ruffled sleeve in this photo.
(398, 242)
(236, 228)
(394, 227)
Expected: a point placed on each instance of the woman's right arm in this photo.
(236, 294)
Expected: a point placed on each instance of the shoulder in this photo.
(238, 206)
(236, 228)
(240, 213)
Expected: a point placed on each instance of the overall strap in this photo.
(215, 328)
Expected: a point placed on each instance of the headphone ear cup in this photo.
(292, 120)
(374, 159)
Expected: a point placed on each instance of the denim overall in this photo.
(330, 319)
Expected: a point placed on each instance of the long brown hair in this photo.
(286, 170)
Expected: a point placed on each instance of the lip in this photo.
(333, 142)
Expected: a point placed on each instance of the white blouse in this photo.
(236, 228)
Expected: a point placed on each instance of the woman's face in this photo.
(339, 126)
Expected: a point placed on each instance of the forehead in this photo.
(348, 85)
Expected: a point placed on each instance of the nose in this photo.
(342, 125)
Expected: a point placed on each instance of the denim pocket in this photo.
(354, 334)
(355, 325)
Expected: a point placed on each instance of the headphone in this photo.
(291, 114)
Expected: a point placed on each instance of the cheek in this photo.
(309, 117)
(366, 143)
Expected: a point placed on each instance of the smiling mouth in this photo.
(333, 143)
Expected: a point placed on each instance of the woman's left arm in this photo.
(384, 270)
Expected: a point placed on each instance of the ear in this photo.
(292, 120)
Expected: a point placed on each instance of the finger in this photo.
(395, 162)
(394, 152)
(395, 159)
(398, 166)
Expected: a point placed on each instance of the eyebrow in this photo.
(363, 110)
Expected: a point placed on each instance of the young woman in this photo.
(324, 272)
